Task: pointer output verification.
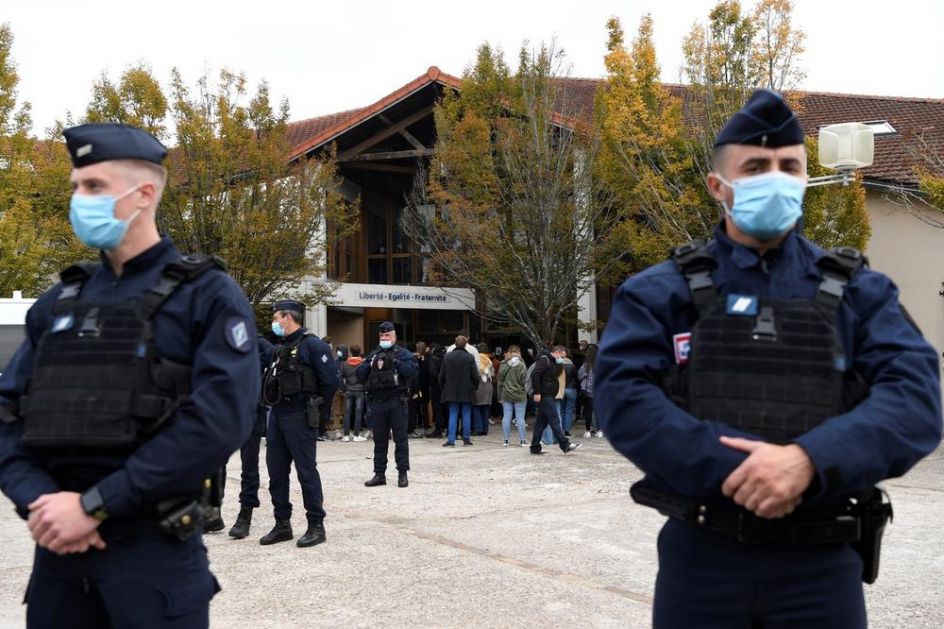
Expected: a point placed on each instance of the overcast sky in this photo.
(331, 56)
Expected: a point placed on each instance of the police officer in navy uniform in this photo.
(301, 379)
(387, 373)
(764, 386)
(134, 385)
(249, 455)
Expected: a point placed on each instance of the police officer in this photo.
(134, 384)
(387, 372)
(760, 382)
(302, 378)
(249, 455)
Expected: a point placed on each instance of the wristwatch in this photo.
(92, 504)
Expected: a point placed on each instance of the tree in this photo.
(648, 156)
(658, 142)
(834, 215)
(777, 47)
(510, 205)
(232, 192)
(36, 240)
(137, 100)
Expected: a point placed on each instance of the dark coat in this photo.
(459, 377)
(882, 437)
(544, 376)
(435, 366)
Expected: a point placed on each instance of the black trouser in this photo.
(547, 416)
(324, 414)
(587, 410)
(389, 414)
(413, 410)
(141, 579)
(249, 455)
(289, 439)
(439, 417)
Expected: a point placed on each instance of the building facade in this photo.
(383, 275)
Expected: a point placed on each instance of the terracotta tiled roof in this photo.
(301, 131)
(896, 156)
(915, 119)
(325, 133)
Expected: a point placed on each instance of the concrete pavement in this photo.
(487, 536)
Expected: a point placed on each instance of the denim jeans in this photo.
(567, 407)
(353, 403)
(480, 413)
(454, 408)
(518, 409)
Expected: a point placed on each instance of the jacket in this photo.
(459, 377)
(882, 437)
(544, 377)
(483, 394)
(511, 380)
(349, 380)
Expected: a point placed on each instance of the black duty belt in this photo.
(796, 530)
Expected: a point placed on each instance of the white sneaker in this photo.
(505, 444)
(586, 435)
(524, 444)
(359, 438)
(600, 434)
(346, 438)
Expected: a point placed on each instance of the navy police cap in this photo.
(387, 326)
(765, 120)
(102, 141)
(288, 304)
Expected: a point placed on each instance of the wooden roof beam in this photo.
(382, 135)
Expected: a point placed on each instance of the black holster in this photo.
(875, 510)
(313, 411)
(180, 518)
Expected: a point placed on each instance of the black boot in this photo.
(281, 532)
(243, 520)
(402, 480)
(314, 535)
(378, 479)
(213, 521)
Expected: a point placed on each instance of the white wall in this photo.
(911, 252)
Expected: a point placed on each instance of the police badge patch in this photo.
(62, 323)
(237, 334)
(683, 347)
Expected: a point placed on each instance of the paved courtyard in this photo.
(487, 536)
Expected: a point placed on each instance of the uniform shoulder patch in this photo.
(237, 334)
(324, 358)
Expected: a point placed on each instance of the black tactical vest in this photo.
(287, 377)
(771, 367)
(98, 384)
(383, 379)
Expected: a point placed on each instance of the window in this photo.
(881, 127)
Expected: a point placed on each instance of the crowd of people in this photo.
(473, 392)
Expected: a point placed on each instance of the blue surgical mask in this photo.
(766, 206)
(558, 360)
(386, 344)
(93, 219)
(277, 329)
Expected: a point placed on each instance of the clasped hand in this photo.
(57, 522)
(770, 482)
